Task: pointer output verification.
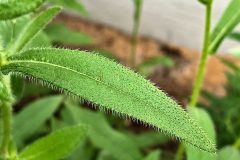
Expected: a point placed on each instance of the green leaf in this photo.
(228, 153)
(155, 155)
(229, 20)
(205, 2)
(102, 135)
(235, 36)
(145, 67)
(111, 86)
(55, 146)
(17, 84)
(72, 5)
(40, 40)
(59, 33)
(16, 8)
(33, 27)
(148, 139)
(33, 116)
(206, 123)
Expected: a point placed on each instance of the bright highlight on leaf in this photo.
(229, 20)
(110, 85)
(34, 27)
(55, 146)
(15, 8)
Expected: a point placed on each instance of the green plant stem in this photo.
(180, 152)
(204, 57)
(134, 40)
(6, 126)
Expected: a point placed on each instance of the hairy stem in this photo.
(6, 126)
(204, 57)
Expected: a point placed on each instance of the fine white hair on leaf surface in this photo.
(111, 86)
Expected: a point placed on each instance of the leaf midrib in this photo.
(83, 74)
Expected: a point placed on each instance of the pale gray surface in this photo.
(176, 21)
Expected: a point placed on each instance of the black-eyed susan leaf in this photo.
(34, 27)
(55, 146)
(33, 116)
(155, 155)
(16, 8)
(205, 121)
(111, 86)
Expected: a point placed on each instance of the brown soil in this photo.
(176, 81)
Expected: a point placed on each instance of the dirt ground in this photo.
(177, 81)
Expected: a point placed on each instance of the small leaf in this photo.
(206, 123)
(16, 8)
(71, 5)
(59, 33)
(229, 20)
(111, 86)
(155, 155)
(205, 2)
(145, 67)
(33, 116)
(55, 146)
(149, 139)
(228, 153)
(18, 85)
(33, 27)
(235, 36)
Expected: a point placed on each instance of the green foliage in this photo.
(55, 146)
(155, 155)
(205, 2)
(146, 66)
(17, 84)
(108, 87)
(103, 136)
(57, 32)
(206, 123)
(33, 27)
(33, 116)
(148, 139)
(229, 20)
(228, 153)
(235, 36)
(15, 8)
(71, 5)
(225, 110)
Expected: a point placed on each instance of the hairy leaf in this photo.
(33, 27)
(13, 9)
(228, 153)
(31, 118)
(229, 20)
(110, 85)
(17, 85)
(206, 123)
(103, 136)
(59, 33)
(72, 5)
(55, 146)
